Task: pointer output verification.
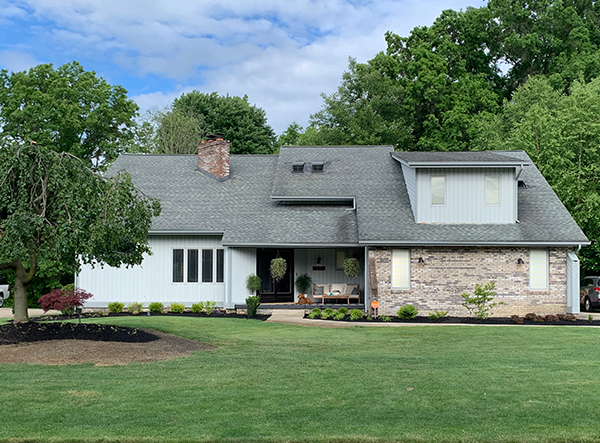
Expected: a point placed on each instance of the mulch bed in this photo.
(472, 321)
(215, 314)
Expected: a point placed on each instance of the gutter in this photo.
(296, 245)
(466, 243)
(186, 232)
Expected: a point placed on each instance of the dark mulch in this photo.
(472, 321)
(215, 314)
(13, 333)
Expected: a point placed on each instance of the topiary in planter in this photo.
(253, 283)
(351, 267)
(278, 268)
(303, 282)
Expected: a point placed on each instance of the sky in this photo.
(282, 54)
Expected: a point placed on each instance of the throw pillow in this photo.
(319, 290)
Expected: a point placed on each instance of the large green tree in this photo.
(243, 124)
(54, 209)
(67, 109)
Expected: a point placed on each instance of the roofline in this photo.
(457, 164)
(294, 245)
(309, 198)
(186, 232)
(471, 243)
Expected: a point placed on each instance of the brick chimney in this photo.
(213, 155)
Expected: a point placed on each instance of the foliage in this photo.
(303, 282)
(243, 124)
(134, 308)
(407, 312)
(209, 307)
(67, 109)
(538, 319)
(315, 313)
(356, 314)
(529, 316)
(252, 304)
(517, 319)
(64, 300)
(177, 308)
(116, 307)
(253, 282)
(590, 318)
(351, 267)
(551, 318)
(198, 308)
(53, 209)
(291, 136)
(278, 268)
(343, 310)
(327, 313)
(438, 314)
(481, 302)
(339, 315)
(156, 307)
(385, 318)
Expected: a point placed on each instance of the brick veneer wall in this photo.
(447, 272)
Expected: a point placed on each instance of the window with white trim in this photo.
(189, 263)
(538, 269)
(400, 269)
(492, 190)
(438, 190)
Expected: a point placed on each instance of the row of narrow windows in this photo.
(195, 265)
(438, 190)
(538, 269)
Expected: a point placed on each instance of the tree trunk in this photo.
(22, 279)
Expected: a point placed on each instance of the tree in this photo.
(53, 208)
(68, 110)
(244, 125)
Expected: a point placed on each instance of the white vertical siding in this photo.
(465, 199)
(152, 280)
(410, 179)
(572, 283)
(243, 263)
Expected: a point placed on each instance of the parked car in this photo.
(3, 290)
(588, 293)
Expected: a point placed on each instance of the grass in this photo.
(273, 382)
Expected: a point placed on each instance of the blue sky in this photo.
(283, 54)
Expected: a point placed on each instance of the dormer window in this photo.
(438, 190)
(318, 167)
(298, 167)
(492, 190)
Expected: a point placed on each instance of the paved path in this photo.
(7, 312)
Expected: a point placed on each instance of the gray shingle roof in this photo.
(459, 158)
(243, 209)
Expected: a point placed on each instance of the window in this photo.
(538, 269)
(492, 190)
(438, 190)
(340, 256)
(177, 265)
(400, 269)
(298, 167)
(207, 266)
(189, 263)
(192, 266)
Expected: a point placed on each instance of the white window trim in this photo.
(547, 274)
(499, 190)
(185, 267)
(400, 288)
(437, 205)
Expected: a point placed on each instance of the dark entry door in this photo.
(270, 291)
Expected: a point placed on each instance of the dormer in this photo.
(462, 187)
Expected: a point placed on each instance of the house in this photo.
(425, 227)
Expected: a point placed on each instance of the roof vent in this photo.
(318, 167)
(521, 184)
(298, 167)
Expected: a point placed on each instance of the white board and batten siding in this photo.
(243, 263)
(152, 281)
(573, 283)
(464, 196)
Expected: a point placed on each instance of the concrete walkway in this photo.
(7, 312)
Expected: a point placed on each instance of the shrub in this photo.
(155, 307)
(438, 314)
(530, 316)
(343, 310)
(177, 308)
(116, 307)
(517, 319)
(538, 319)
(209, 307)
(134, 308)
(303, 282)
(356, 314)
(570, 317)
(315, 313)
(327, 313)
(339, 315)
(407, 312)
(197, 308)
(64, 300)
(253, 283)
(252, 304)
(551, 318)
(481, 302)
(385, 318)
(590, 318)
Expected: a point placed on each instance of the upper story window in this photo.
(492, 190)
(298, 167)
(438, 190)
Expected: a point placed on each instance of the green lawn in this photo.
(272, 382)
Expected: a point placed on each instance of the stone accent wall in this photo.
(447, 272)
(213, 156)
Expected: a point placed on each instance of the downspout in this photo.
(367, 275)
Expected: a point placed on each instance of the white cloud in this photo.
(15, 61)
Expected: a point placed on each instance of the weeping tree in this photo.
(55, 209)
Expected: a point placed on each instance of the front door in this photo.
(270, 291)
